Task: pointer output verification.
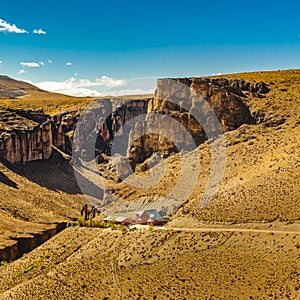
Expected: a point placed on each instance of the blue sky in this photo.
(123, 40)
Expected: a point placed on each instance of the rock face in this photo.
(62, 130)
(199, 107)
(99, 126)
(26, 244)
(183, 114)
(29, 135)
(22, 139)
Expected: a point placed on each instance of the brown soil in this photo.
(36, 194)
(102, 264)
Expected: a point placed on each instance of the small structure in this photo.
(118, 220)
(148, 217)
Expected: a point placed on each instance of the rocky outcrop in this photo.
(165, 123)
(62, 130)
(190, 102)
(257, 88)
(29, 135)
(93, 130)
(182, 115)
(26, 244)
(22, 139)
(101, 123)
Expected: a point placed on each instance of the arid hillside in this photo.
(245, 244)
(261, 178)
(103, 264)
(11, 88)
(36, 195)
(22, 95)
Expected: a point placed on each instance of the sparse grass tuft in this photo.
(35, 264)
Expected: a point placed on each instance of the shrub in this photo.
(3, 263)
(122, 228)
(81, 221)
(113, 226)
(35, 264)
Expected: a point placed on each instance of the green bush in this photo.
(3, 263)
(81, 221)
(113, 226)
(96, 222)
(122, 227)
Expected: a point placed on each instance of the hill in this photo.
(11, 88)
(102, 264)
(22, 95)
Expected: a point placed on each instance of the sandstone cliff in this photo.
(185, 101)
(22, 139)
(28, 135)
(102, 122)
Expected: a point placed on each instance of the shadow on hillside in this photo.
(5, 180)
(55, 174)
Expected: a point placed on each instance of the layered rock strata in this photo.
(201, 107)
(180, 116)
(102, 123)
(22, 139)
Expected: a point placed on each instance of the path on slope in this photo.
(251, 230)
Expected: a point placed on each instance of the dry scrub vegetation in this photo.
(102, 264)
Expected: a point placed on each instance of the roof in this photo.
(116, 219)
(153, 214)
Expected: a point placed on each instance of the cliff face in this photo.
(98, 127)
(181, 115)
(26, 244)
(22, 139)
(62, 130)
(28, 135)
(185, 101)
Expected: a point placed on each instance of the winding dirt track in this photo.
(235, 230)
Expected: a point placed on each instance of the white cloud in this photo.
(68, 64)
(1, 62)
(39, 31)
(128, 92)
(30, 64)
(41, 63)
(21, 72)
(80, 87)
(6, 27)
(49, 61)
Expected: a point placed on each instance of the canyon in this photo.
(245, 243)
(29, 135)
